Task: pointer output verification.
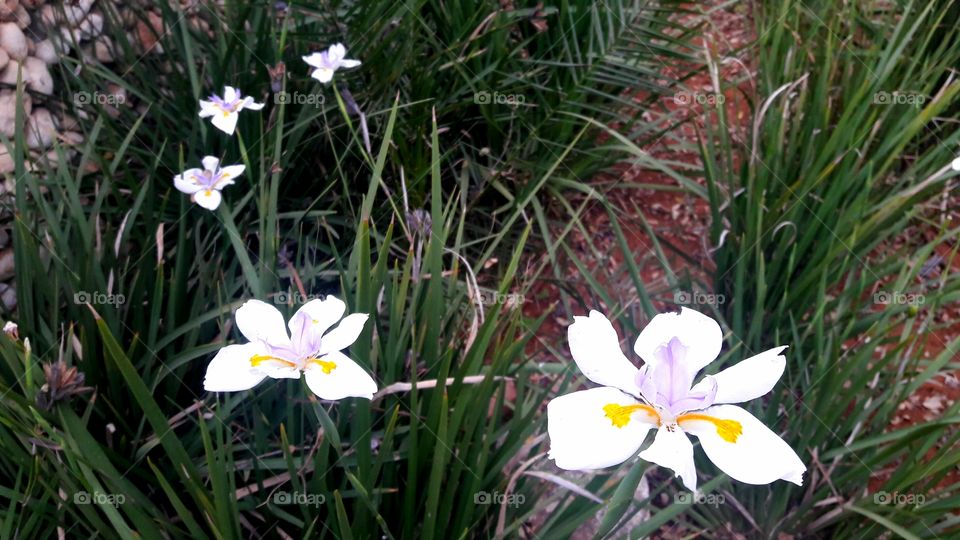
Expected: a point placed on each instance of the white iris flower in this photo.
(605, 426)
(309, 349)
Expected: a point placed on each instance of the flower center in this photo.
(620, 415)
(326, 365)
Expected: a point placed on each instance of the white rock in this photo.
(72, 138)
(13, 41)
(92, 26)
(8, 111)
(6, 161)
(41, 131)
(47, 52)
(9, 73)
(37, 75)
(103, 50)
(7, 9)
(23, 17)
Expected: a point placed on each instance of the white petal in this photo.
(583, 436)
(314, 60)
(700, 334)
(673, 450)
(249, 103)
(208, 198)
(186, 183)
(345, 378)
(210, 163)
(955, 164)
(757, 456)
(228, 174)
(208, 108)
(323, 75)
(595, 348)
(344, 334)
(337, 51)
(749, 379)
(259, 321)
(225, 121)
(229, 94)
(324, 312)
(231, 371)
(346, 63)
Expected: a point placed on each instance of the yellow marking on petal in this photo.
(327, 365)
(207, 192)
(728, 430)
(258, 359)
(620, 414)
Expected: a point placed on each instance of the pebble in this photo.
(41, 130)
(13, 41)
(37, 75)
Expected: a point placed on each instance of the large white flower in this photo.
(606, 426)
(325, 63)
(309, 349)
(204, 185)
(225, 111)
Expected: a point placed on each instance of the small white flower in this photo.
(328, 61)
(204, 185)
(224, 112)
(606, 426)
(309, 349)
(955, 164)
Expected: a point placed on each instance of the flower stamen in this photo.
(619, 415)
(326, 365)
(728, 430)
(258, 359)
